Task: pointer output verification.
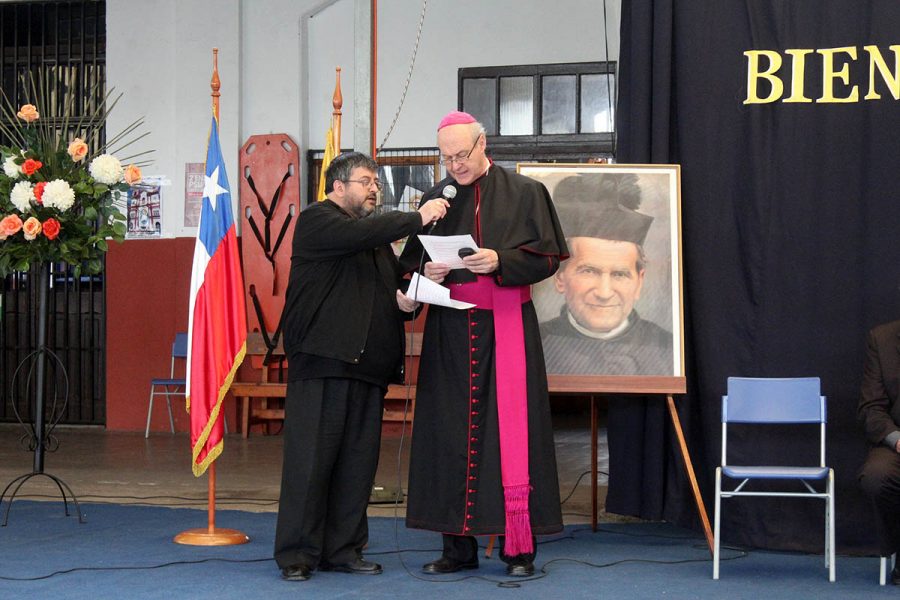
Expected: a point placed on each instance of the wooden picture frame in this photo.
(641, 317)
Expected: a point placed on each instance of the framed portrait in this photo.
(144, 209)
(611, 318)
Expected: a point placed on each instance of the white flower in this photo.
(10, 167)
(22, 196)
(107, 169)
(58, 194)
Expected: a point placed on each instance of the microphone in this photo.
(448, 194)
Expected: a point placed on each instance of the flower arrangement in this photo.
(57, 202)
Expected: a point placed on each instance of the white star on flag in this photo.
(212, 189)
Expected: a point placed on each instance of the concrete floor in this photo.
(123, 467)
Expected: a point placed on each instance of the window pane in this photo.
(558, 102)
(597, 103)
(516, 106)
(480, 101)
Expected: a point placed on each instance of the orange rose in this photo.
(78, 149)
(10, 225)
(28, 113)
(30, 166)
(132, 174)
(51, 228)
(39, 191)
(31, 228)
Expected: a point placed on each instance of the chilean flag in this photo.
(217, 329)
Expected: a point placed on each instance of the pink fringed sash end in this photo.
(518, 523)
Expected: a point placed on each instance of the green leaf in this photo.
(90, 213)
(93, 266)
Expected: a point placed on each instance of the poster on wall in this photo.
(193, 192)
(614, 306)
(145, 209)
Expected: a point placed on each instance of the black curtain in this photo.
(790, 232)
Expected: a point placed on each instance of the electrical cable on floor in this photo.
(106, 499)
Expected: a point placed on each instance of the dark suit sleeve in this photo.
(325, 232)
(874, 404)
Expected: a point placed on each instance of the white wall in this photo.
(277, 60)
(461, 33)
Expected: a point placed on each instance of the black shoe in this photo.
(520, 570)
(296, 573)
(448, 565)
(895, 574)
(358, 567)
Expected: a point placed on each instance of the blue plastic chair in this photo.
(766, 402)
(171, 385)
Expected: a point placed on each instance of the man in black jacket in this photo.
(879, 413)
(343, 337)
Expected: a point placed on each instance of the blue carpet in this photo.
(127, 552)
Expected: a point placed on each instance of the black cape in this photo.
(455, 478)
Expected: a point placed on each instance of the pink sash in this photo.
(512, 395)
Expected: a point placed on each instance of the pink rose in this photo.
(11, 224)
(51, 228)
(132, 174)
(78, 149)
(28, 113)
(31, 228)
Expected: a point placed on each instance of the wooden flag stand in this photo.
(212, 536)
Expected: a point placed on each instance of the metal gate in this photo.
(58, 40)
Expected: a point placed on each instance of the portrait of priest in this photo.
(599, 330)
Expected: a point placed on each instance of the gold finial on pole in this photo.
(337, 101)
(215, 84)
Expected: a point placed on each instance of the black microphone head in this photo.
(464, 252)
(449, 192)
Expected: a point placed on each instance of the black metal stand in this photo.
(38, 436)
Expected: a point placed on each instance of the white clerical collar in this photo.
(599, 336)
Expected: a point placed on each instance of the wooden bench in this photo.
(395, 407)
(265, 392)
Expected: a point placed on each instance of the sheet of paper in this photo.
(422, 289)
(445, 248)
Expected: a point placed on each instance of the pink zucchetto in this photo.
(456, 118)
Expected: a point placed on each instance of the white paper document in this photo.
(445, 248)
(422, 289)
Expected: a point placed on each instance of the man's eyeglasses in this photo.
(366, 182)
(460, 158)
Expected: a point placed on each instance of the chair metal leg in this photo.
(830, 527)
(887, 564)
(169, 407)
(149, 413)
(718, 517)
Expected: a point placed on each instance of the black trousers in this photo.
(332, 434)
(880, 480)
(464, 548)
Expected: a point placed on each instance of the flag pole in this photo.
(211, 536)
(337, 101)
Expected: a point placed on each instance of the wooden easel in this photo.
(637, 385)
(596, 385)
